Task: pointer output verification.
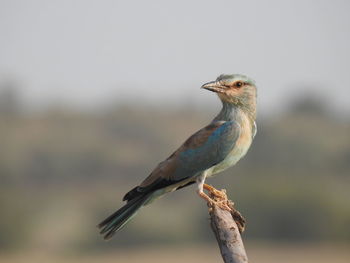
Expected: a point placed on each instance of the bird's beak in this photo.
(214, 86)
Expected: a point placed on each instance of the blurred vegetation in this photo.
(62, 171)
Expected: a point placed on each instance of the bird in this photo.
(209, 151)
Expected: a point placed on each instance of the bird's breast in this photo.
(239, 150)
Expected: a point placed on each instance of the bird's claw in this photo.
(221, 195)
(219, 198)
(223, 205)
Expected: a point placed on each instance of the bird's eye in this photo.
(239, 84)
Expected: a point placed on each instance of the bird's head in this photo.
(235, 89)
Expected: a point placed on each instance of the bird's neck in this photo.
(230, 112)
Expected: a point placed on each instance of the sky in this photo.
(91, 53)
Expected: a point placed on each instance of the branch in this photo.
(227, 227)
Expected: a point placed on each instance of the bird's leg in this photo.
(216, 197)
(219, 198)
(200, 184)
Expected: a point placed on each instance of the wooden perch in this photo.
(227, 227)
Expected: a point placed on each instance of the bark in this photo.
(227, 227)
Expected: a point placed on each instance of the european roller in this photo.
(209, 151)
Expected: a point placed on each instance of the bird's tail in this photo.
(119, 218)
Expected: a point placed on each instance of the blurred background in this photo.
(93, 94)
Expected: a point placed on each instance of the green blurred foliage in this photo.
(63, 171)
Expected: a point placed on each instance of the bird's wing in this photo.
(204, 149)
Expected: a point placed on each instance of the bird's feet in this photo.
(219, 198)
(215, 192)
(214, 202)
